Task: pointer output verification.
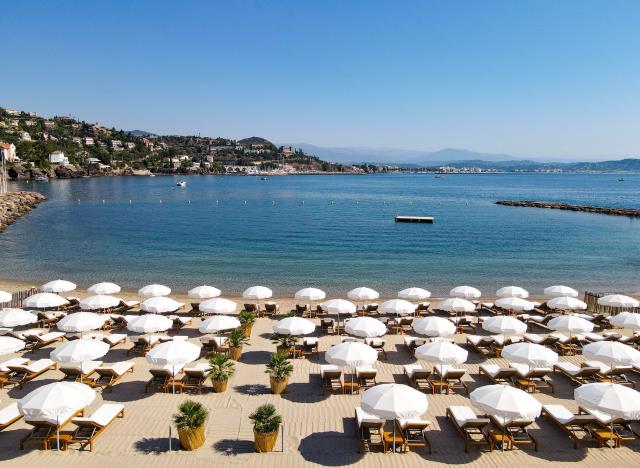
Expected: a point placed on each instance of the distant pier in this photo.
(414, 219)
(562, 206)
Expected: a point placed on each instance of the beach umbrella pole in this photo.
(58, 431)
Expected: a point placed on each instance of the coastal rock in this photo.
(562, 206)
(68, 172)
(14, 205)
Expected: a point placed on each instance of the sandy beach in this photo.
(319, 429)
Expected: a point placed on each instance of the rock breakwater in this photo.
(561, 206)
(14, 205)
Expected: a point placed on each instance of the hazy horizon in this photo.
(537, 80)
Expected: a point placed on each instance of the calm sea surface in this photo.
(336, 232)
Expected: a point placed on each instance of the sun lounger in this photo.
(143, 344)
(23, 373)
(532, 379)
(452, 376)
(497, 374)
(9, 415)
(464, 323)
(517, 430)
(49, 319)
(89, 428)
(613, 374)
(331, 377)
(418, 376)
(621, 427)
(577, 426)
(5, 371)
(114, 339)
(471, 428)
(579, 375)
(412, 342)
(412, 433)
(195, 377)
(180, 322)
(79, 372)
(164, 379)
(481, 344)
(548, 340)
(328, 325)
(110, 375)
(38, 341)
(369, 430)
(270, 309)
(366, 376)
(309, 346)
(566, 346)
(377, 344)
(45, 431)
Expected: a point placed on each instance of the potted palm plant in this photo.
(285, 343)
(279, 369)
(189, 421)
(247, 319)
(222, 369)
(236, 340)
(266, 423)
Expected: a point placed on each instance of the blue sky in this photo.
(541, 78)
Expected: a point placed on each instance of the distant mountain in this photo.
(141, 133)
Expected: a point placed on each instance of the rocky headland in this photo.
(14, 205)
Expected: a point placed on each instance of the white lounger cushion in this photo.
(604, 367)
(327, 368)
(9, 413)
(365, 369)
(120, 367)
(103, 415)
(374, 341)
(533, 337)
(593, 336)
(568, 367)
(491, 369)
(443, 369)
(38, 365)
(199, 367)
(50, 336)
(363, 416)
(475, 339)
(86, 367)
(12, 362)
(600, 416)
(132, 303)
(409, 369)
(462, 414)
(561, 337)
(310, 341)
(115, 338)
(559, 412)
(403, 422)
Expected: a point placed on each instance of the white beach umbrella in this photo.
(204, 292)
(365, 327)
(626, 320)
(514, 303)
(149, 323)
(218, 323)
(294, 326)
(531, 354)
(570, 324)
(79, 322)
(44, 301)
(504, 324)
(218, 305)
(442, 352)
(434, 326)
(351, 354)
(80, 350)
(456, 304)
(16, 318)
(566, 303)
(505, 402)
(154, 290)
(363, 294)
(391, 401)
(560, 291)
(257, 293)
(56, 402)
(99, 302)
(9, 344)
(310, 294)
(5, 297)
(615, 400)
(618, 300)
(398, 307)
(173, 353)
(339, 306)
(512, 291)
(103, 288)
(612, 353)
(160, 305)
(58, 286)
(465, 292)
(414, 294)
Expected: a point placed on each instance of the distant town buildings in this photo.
(8, 152)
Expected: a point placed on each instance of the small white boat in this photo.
(42, 178)
(181, 183)
(152, 175)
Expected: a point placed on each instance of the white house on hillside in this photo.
(58, 157)
(7, 152)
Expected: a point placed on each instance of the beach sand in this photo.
(318, 429)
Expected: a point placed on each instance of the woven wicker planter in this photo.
(219, 386)
(247, 328)
(278, 386)
(191, 439)
(265, 442)
(235, 352)
(286, 350)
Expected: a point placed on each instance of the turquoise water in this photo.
(336, 232)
